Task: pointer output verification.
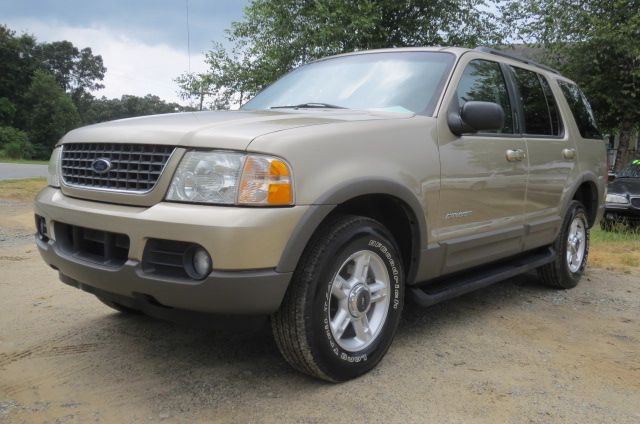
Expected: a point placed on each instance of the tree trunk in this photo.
(201, 99)
(624, 154)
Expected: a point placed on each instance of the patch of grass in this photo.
(615, 250)
(25, 161)
(22, 190)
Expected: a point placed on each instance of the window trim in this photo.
(517, 133)
(559, 82)
(520, 107)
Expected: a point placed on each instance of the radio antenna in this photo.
(188, 36)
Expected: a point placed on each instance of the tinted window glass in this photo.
(539, 117)
(482, 80)
(554, 112)
(581, 110)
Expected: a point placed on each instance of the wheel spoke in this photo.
(574, 228)
(362, 267)
(378, 291)
(339, 287)
(361, 327)
(340, 322)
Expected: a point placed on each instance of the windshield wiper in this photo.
(309, 105)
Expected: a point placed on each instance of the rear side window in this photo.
(581, 110)
(538, 104)
(482, 80)
(554, 112)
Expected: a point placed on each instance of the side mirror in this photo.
(476, 116)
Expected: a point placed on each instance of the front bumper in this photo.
(246, 245)
(616, 212)
(232, 292)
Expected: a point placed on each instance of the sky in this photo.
(143, 43)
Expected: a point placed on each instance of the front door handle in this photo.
(515, 155)
(569, 153)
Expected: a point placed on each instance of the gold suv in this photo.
(348, 185)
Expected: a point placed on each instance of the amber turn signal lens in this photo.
(265, 181)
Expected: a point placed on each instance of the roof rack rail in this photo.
(514, 57)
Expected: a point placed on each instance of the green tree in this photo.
(219, 86)
(275, 36)
(77, 71)
(52, 113)
(595, 43)
(17, 65)
(128, 106)
(14, 143)
(7, 111)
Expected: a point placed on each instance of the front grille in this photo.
(635, 202)
(103, 247)
(125, 167)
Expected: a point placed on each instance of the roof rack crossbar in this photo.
(514, 57)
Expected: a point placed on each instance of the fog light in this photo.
(41, 228)
(197, 262)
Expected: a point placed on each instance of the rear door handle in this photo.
(515, 155)
(569, 153)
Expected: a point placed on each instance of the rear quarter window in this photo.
(581, 110)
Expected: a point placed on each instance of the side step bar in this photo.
(447, 288)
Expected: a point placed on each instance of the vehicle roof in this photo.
(492, 54)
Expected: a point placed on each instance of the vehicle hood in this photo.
(625, 186)
(220, 129)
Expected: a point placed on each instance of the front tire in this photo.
(572, 248)
(343, 306)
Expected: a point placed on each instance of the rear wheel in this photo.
(344, 302)
(572, 247)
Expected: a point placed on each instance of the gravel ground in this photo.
(514, 352)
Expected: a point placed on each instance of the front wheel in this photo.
(572, 247)
(344, 302)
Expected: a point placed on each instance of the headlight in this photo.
(229, 178)
(617, 198)
(53, 179)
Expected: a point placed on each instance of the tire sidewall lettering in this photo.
(386, 253)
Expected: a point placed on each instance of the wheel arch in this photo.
(586, 192)
(389, 202)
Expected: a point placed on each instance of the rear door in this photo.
(483, 190)
(551, 154)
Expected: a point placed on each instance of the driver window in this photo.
(483, 81)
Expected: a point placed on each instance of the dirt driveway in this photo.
(515, 352)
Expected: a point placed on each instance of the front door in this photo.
(484, 175)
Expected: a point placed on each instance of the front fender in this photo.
(344, 192)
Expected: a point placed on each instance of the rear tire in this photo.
(572, 248)
(343, 305)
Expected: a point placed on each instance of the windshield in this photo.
(631, 171)
(393, 82)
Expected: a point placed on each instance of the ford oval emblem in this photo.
(101, 165)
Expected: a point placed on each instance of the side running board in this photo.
(449, 287)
